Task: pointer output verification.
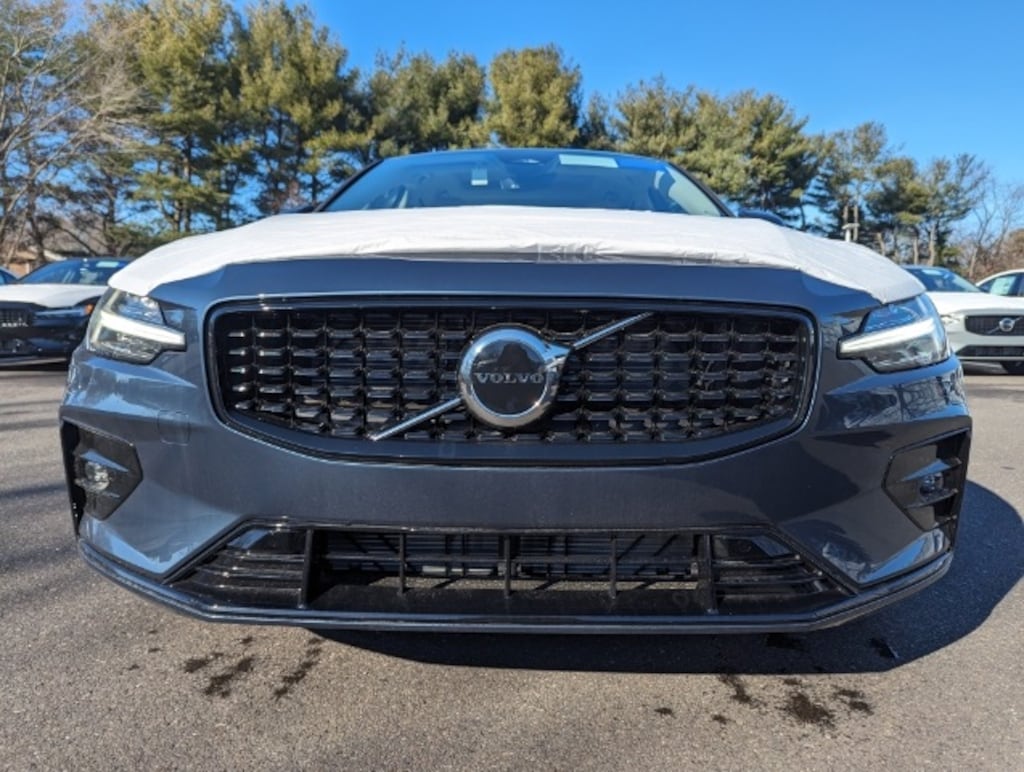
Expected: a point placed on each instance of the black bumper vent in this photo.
(991, 352)
(666, 574)
(327, 376)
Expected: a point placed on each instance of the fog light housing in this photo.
(927, 481)
(101, 470)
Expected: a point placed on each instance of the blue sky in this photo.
(943, 77)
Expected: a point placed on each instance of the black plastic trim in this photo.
(864, 603)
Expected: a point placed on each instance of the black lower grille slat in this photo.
(343, 373)
(342, 570)
(1013, 352)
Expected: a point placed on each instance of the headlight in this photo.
(74, 313)
(131, 328)
(899, 336)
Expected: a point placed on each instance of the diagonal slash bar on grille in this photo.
(419, 418)
(451, 404)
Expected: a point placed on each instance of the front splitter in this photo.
(865, 602)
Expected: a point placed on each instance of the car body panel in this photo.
(50, 295)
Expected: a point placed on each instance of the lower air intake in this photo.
(535, 574)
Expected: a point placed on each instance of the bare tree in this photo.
(985, 239)
(61, 92)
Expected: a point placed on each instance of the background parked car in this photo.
(982, 327)
(44, 315)
(6, 277)
(1005, 283)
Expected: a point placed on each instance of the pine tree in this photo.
(296, 101)
(536, 98)
(417, 104)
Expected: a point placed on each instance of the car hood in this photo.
(955, 302)
(50, 295)
(524, 234)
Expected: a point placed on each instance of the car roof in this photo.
(524, 152)
(1010, 272)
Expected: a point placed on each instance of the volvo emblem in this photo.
(1007, 324)
(508, 376)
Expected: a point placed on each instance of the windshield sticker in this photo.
(567, 159)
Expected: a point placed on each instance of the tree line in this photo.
(147, 121)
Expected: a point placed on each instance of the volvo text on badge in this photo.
(508, 377)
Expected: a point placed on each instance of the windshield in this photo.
(523, 177)
(942, 280)
(75, 272)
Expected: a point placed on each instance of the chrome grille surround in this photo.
(689, 380)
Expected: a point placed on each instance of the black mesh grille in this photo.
(344, 373)
(14, 316)
(494, 573)
(989, 325)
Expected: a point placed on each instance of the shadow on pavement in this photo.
(988, 564)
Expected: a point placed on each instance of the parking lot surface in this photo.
(93, 677)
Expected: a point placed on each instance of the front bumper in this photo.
(838, 512)
(840, 612)
(52, 340)
(821, 495)
(973, 347)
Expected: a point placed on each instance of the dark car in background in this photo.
(517, 390)
(44, 315)
(6, 277)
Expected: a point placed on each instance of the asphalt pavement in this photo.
(94, 677)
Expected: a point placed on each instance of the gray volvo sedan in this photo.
(517, 390)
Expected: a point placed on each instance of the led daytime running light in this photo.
(165, 336)
(885, 338)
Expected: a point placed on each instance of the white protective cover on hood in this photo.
(50, 295)
(524, 234)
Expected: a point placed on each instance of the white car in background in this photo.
(1006, 283)
(981, 327)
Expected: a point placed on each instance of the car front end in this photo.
(44, 316)
(539, 439)
(992, 331)
(31, 330)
